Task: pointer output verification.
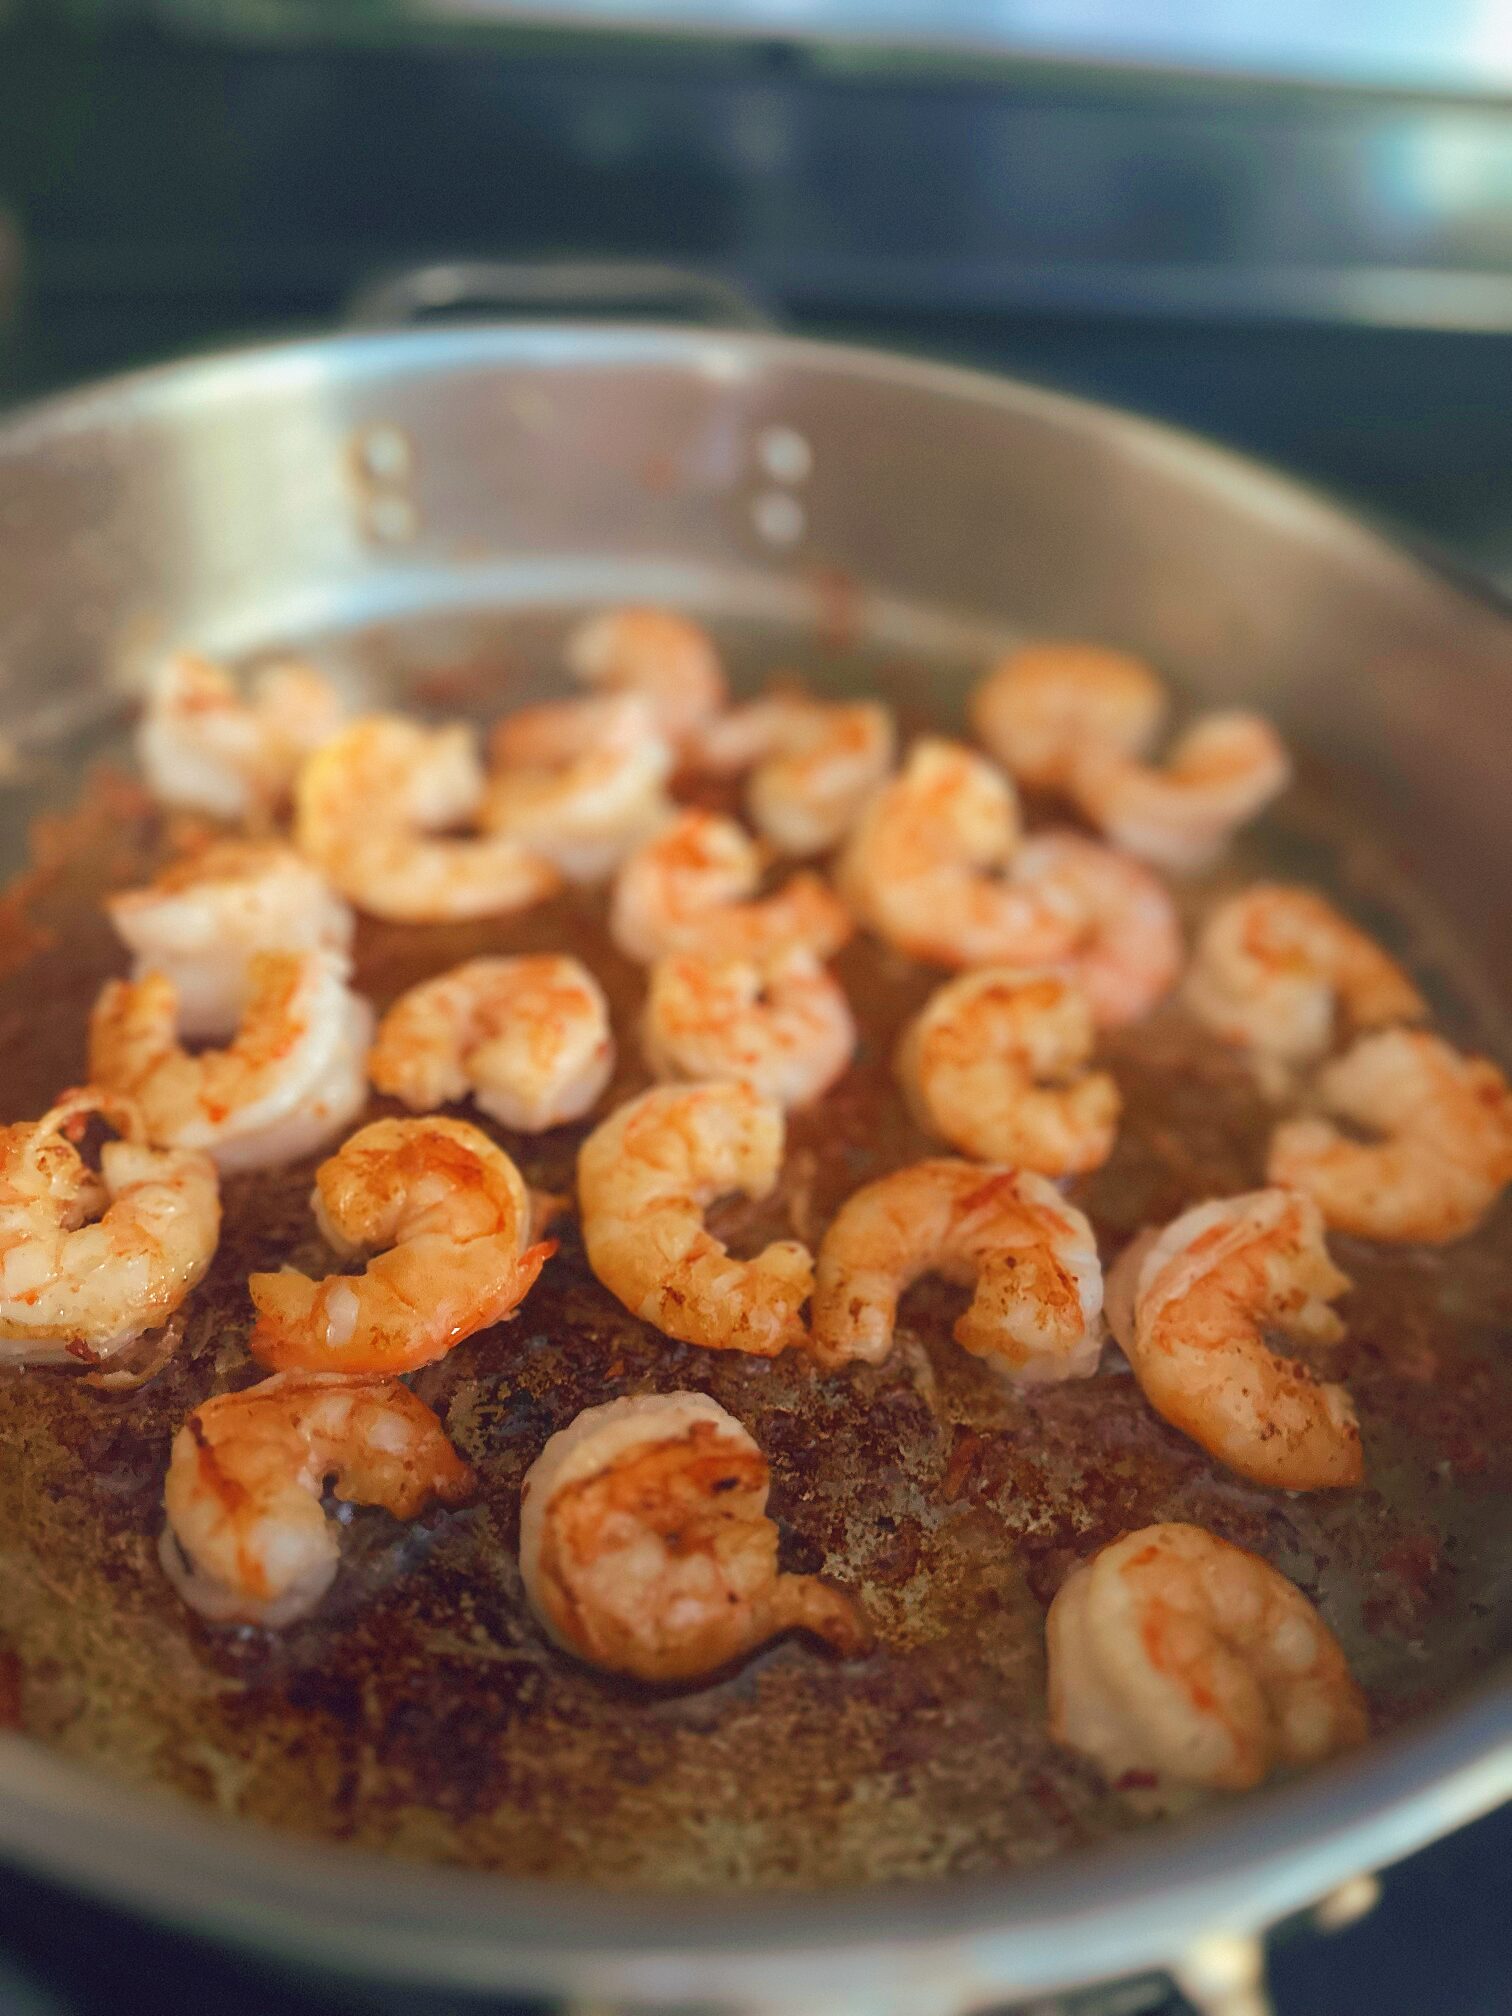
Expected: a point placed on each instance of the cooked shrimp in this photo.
(667, 659)
(291, 1077)
(1447, 1152)
(528, 1039)
(1042, 704)
(645, 1547)
(1277, 967)
(782, 1025)
(996, 1065)
(453, 1216)
(247, 1540)
(1127, 950)
(646, 1177)
(89, 1261)
(729, 744)
(1035, 1315)
(1207, 1291)
(691, 889)
(1226, 768)
(1174, 1654)
(581, 783)
(371, 809)
(811, 791)
(815, 764)
(922, 867)
(201, 920)
(205, 749)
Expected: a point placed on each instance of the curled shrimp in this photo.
(580, 783)
(1175, 1655)
(372, 810)
(1126, 951)
(1204, 1295)
(645, 1547)
(527, 1038)
(923, 867)
(782, 1024)
(200, 922)
(1035, 1315)
(731, 743)
(814, 764)
(646, 1176)
(1446, 1154)
(452, 1217)
(1224, 770)
(247, 1540)
(290, 1078)
(1277, 967)
(1042, 704)
(691, 889)
(995, 1064)
(810, 791)
(1125, 948)
(667, 659)
(203, 748)
(89, 1260)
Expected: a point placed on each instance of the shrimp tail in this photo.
(519, 1279)
(451, 1481)
(809, 1603)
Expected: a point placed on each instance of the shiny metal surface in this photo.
(320, 487)
(236, 501)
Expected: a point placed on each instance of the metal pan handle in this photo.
(637, 288)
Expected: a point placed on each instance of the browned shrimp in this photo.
(996, 1064)
(375, 809)
(88, 1261)
(1446, 1152)
(528, 1038)
(1042, 703)
(1031, 1257)
(1225, 769)
(1277, 967)
(646, 1177)
(668, 660)
(1205, 1293)
(454, 1216)
(925, 866)
(692, 890)
(645, 1547)
(247, 1541)
(1176, 1655)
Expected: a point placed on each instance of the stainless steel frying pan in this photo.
(392, 497)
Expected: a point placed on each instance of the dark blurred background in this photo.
(1287, 223)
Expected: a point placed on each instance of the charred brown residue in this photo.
(12, 1684)
(421, 1710)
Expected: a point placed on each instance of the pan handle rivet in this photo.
(778, 518)
(1353, 1900)
(386, 453)
(391, 517)
(1224, 1975)
(784, 454)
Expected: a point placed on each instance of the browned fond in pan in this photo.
(420, 1710)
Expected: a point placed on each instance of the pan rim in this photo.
(1125, 1907)
(198, 376)
(1128, 1906)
